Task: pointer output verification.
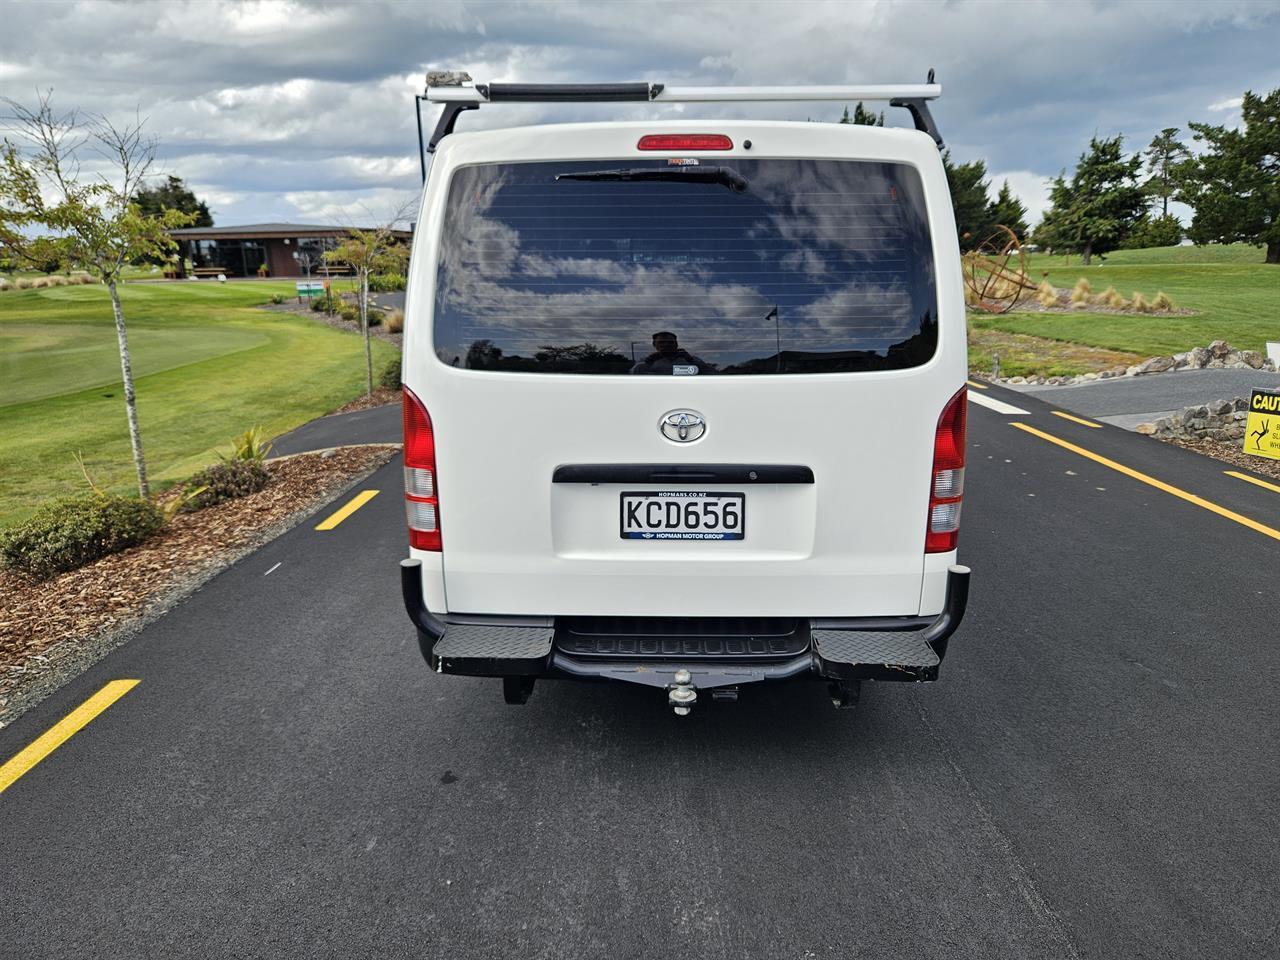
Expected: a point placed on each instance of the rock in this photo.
(1215, 365)
(1192, 413)
(1219, 407)
(1089, 377)
(1269, 364)
(1219, 349)
(1133, 371)
(1219, 435)
(1119, 371)
(1156, 365)
(1163, 425)
(1251, 358)
(1146, 429)
(1240, 416)
(1198, 423)
(1017, 379)
(1241, 403)
(328, 454)
(1197, 357)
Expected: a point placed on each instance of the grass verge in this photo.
(208, 365)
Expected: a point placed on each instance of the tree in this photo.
(1008, 210)
(1234, 185)
(968, 185)
(48, 209)
(861, 115)
(1165, 157)
(375, 250)
(1099, 205)
(1165, 231)
(173, 194)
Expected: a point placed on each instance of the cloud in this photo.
(269, 100)
(1231, 103)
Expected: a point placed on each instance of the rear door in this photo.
(684, 383)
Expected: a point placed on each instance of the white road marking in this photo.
(999, 406)
(272, 570)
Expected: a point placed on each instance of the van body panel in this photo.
(851, 544)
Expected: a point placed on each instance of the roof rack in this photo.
(457, 93)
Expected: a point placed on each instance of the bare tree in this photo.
(49, 208)
(372, 250)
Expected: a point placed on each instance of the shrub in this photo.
(278, 298)
(390, 376)
(1046, 294)
(1163, 302)
(395, 321)
(224, 481)
(386, 282)
(375, 316)
(253, 444)
(71, 532)
(1082, 286)
(83, 278)
(348, 312)
(24, 283)
(1139, 303)
(1110, 297)
(41, 283)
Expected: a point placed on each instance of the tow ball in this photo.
(681, 694)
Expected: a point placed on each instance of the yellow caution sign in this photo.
(1262, 429)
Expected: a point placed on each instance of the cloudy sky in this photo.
(281, 110)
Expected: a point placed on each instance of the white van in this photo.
(684, 402)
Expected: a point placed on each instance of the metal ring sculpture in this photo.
(995, 272)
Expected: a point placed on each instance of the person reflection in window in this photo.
(668, 358)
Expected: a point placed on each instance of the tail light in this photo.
(947, 488)
(421, 496)
(685, 141)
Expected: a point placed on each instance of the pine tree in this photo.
(861, 115)
(173, 194)
(1007, 210)
(968, 185)
(1234, 185)
(1094, 210)
(1165, 157)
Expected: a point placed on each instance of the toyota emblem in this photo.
(682, 426)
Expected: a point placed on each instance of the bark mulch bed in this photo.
(381, 398)
(1230, 452)
(53, 630)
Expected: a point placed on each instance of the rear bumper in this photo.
(900, 649)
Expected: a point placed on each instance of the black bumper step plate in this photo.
(885, 648)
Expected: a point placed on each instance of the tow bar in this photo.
(681, 694)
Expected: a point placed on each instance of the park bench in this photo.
(207, 271)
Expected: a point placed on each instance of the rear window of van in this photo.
(664, 267)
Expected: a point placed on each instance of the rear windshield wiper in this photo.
(725, 176)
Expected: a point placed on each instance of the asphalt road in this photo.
(1129, 401)
(1095, 774)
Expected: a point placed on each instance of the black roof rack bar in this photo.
(567, 92)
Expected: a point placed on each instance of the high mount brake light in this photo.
(685, 141)
(946, 487)
(421, 493)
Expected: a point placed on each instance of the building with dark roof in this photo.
(285, 249)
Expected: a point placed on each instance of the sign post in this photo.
(1262, 428)
(307, 288)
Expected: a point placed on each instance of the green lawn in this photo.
(208, 365)
(1235, 296)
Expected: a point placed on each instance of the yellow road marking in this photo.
(1248, 479)
(62, 731)
(1067, 416)
(975, 383)
(1152, 481)
(352, 505)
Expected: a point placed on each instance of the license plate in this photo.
(683, 515)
